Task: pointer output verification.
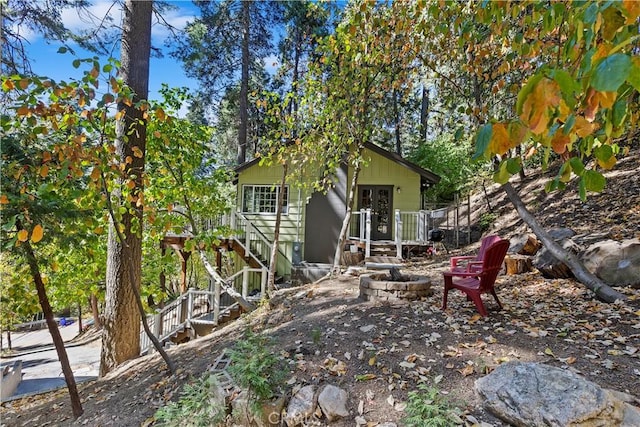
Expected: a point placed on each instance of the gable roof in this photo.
(428, 178)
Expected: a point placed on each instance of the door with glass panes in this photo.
(378, 198)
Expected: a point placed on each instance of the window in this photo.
(263, 199)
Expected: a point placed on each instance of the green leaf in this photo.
(502, 175)
(634, 77)
(594, 181)
(513, 166)
(582, 190)
(568, 125)
(62, 49)
(76, 63)
(576, 165)
(619, 112)
(482, 141)
(526, 91)
(568, 85)
(603, 152)
(611, 73)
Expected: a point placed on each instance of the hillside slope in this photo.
(379, 352)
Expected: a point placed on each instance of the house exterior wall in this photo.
(382, 171)
(291, 226)
(378, 170)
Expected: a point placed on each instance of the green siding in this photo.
(378, 170)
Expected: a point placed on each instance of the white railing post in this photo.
(421, 228)
(363, 221)
(190, 304)
(263, 282)
(216, 302)
(245, 281)
(398, 234)
(367, 235)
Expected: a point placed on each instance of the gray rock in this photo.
(301, 406)
(616, 263)
(333, 402)
(531, 395)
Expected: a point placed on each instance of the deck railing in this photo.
(194, 304)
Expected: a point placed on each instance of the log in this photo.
(518, 264)
(352, 258)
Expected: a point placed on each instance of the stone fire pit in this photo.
(393, 287)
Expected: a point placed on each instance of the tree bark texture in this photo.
(273, 267)
(97, 322)
(244, 84)
(76, 405)
(347, 216)
(121, 321)
(601, 289)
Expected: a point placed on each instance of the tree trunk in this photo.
(79, 318)
(396, 117)
(601, 289)
(424, 114)
(271, 280)
(76, 405)
(96, 313)
(244, 84)
(121, 328)
(347, 216)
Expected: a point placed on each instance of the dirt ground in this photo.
(379, 352)
(329, 335)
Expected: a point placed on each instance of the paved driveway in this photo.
(41, 368)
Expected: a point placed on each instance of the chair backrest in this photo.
(484, 245)
(492, 264)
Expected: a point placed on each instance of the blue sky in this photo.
(47, 62)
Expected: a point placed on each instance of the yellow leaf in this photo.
(632, 9)
(583, 128)
(372, 361)
(475, 318)
(44, 171)
(23, 235)
(609, 163)
(559, 142)
(131, 184)
(23, 111)
(23, 83)
(137, 152)
(4, 200)
(500, 143)
(95, 173)
(466, 371)
(37, 233)
(535, 110)
(160, 114)
(571, 360)
(549, 352)
(8, 85)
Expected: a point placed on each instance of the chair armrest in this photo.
(454, 260)
(461, 273)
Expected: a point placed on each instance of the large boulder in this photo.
(531, 395)
(549, 265)
(616, 263)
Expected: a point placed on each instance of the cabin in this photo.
(388, 217)
(389, 190)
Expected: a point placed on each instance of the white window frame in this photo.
(260, 207)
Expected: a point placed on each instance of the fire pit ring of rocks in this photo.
(381, 287)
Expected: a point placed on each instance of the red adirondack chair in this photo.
(476, 283)
(471, 262)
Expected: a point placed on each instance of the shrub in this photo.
(426, 408)
(196, 407)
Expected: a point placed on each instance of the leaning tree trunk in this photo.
(271, 280)
(347, 216)
(121, 322)
(601, 289)
(76, 405)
